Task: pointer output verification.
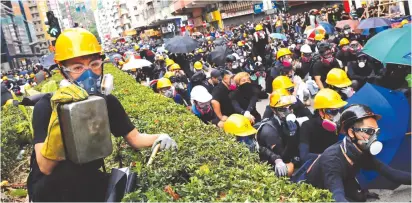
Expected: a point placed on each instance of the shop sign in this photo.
(258, 8)
(238, 13)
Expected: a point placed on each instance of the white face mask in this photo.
(348, 91)
(361, 64)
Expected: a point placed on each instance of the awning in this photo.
(180, 4)
(162, 21)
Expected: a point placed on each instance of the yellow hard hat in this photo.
(338, 78)
(240, 44)
(282, 82)
(283, 52)
(169, 62)
(169, 74)
(5, 78)
(343, 41)
(259, 27)
(328, 99)
(244, 35)
(21, 76)
(198, 65)
(281, 97)
(75, 42)
(174, 66)
(133, 69)
(163, 82)
(136, 47)
(404, 21)
(121, 63)
(200, 51)
(160, 58)
(32, 75)
(363, 2)
(238, 125)
(319, 37)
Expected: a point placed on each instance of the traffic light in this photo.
(54, 27)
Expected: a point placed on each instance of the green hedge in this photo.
(209, 165)
(15, 131)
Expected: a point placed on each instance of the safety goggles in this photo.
(291, 90)
(369, 131)
(80, 68)
(332, 112)
(284, 109)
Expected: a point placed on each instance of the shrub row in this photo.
(209, 165)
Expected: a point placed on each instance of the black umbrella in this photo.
(219, 41)
(218, 55)
(181, 44)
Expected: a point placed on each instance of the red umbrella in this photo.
(352, 23)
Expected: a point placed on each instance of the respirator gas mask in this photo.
(372, 145)
(331, 124)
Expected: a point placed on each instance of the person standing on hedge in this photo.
(221, 103)
(336, 168)
(78, 55)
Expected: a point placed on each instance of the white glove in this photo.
(166, 142)
(249, 116)
(280, 168)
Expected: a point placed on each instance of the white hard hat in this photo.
(236, 56)
(305, 49)
(200, 94)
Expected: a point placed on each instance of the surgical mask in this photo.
(331, 125)
(372, 145)
(89, 81)
(361, 64)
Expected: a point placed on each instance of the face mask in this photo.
(348, 91)
(168, 93)
(331, 125)
(232, 87)
(203, 108)
(284, 114)
(372, 145)
(89, 82)
(327, 59)
(361, 64)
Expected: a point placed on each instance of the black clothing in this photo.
(359, 12)
(272, 136)
(208, 86)
(346, 56)
(333, 171)
(322, 69)
(68, 181)
(304, 69)
(198, 78)
(244, 99)
(314, 139)
(361, 75)
(221, 94)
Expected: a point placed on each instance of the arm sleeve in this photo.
(235, 103)
(267, 154)
(252, 103)
(268, 112)
(304, 153)
(332, 175)
(41, 118)
(392, 174)
(120, 124)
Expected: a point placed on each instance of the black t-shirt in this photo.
(360, 11)
(221, 94)
(322, 69)
(120, 125)
(313, 134)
